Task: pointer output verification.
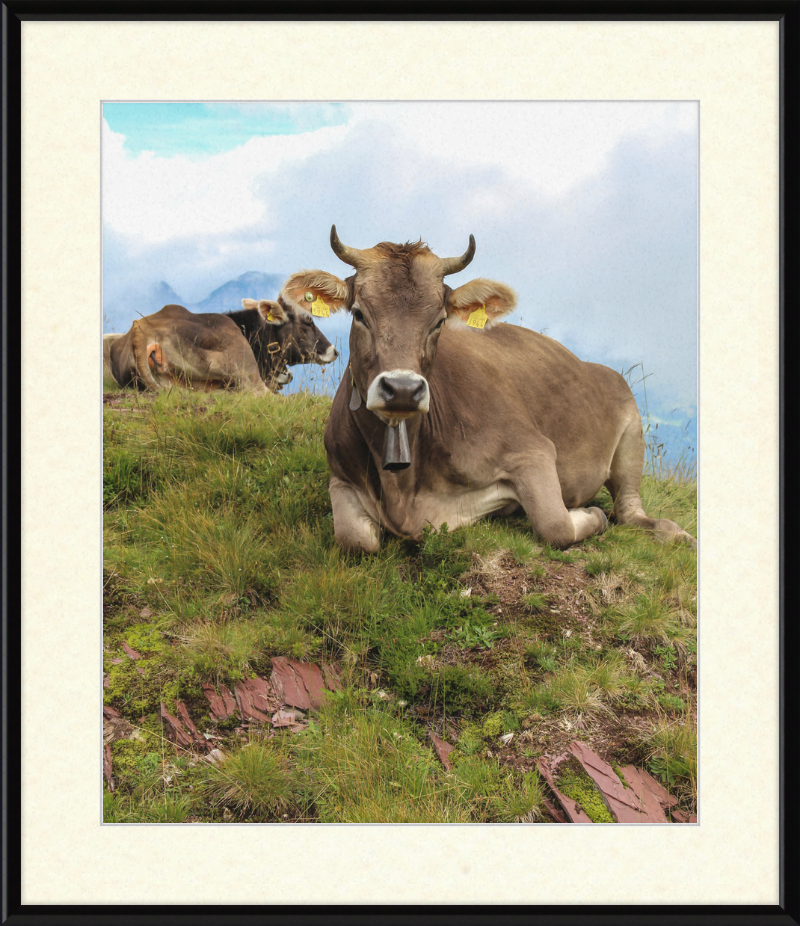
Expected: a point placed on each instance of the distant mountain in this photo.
(251, 285)
(119, 313)
(163, 294)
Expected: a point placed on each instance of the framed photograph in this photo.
(620, 186)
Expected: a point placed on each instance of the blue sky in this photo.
(197, 129)
(587, 210)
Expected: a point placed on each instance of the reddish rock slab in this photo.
(188, 723)
(555, 813)
(109, 712)
(679, 816)
(106, 682)
(664, 797)
(223, 705)
(331, 678)
(186, 720)
(621, 802)
(647, 800)
(131, 652)
(288, 720)
(297, 683)
(443, 750)
(256, 699)
(174, 731)
(107, 768)
(573, 810)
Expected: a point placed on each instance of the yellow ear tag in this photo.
(478, 318)
(320, 308)
(270, 317)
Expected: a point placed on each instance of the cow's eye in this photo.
(358, 315)
(440, 323)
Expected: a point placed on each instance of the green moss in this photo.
(545, 624)
(144, 638)
(139, 686)
(580, 788)
(494, 724)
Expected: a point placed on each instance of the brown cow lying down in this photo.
(505, 418)
(246, 350)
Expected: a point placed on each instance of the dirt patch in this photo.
(561, 586)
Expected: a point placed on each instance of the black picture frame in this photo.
(787, 13)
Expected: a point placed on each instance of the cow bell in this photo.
(396, 452)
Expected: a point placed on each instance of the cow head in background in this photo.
(399, 303)
(287, 336)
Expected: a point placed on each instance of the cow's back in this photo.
(498, 393)
(204, 348)
(510, 372)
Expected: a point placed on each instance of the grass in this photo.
(219, 555)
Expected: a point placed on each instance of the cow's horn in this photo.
(454, 264)
(350, 256)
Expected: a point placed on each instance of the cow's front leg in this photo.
(354, 528)
(539, 491)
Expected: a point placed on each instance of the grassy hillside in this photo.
(219, 555)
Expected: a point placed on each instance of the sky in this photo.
(587, 210)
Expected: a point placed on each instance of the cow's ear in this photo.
(479, 303)
(249, 303)
(272, 312)
(315, 292)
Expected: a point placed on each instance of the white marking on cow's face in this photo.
(402, 388)
(329, 355)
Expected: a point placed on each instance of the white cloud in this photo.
(151, 199)
(548, 146)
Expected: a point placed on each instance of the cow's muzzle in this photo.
(398, 394)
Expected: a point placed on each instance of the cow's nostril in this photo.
(386, 390)
(419, 393)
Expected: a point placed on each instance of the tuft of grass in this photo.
(542, 654)
(221, 651)
(647, 620)
(672, 754)
(366, 766)
(167, 808)
(255, 780)
(535, 602)
(577, 695)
